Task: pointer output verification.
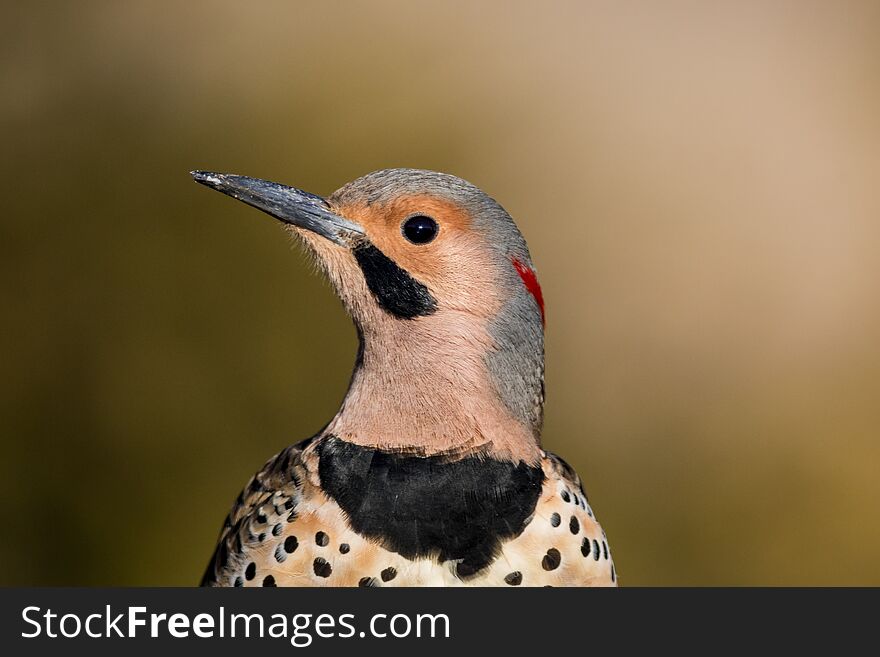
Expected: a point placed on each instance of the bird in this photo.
(432, 471)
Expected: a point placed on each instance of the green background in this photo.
(698, 183)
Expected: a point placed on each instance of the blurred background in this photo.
(698, 182)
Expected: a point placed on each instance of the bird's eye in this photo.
(419, 229)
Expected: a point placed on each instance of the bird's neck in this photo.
(443, 385)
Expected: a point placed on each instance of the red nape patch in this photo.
(531, 282)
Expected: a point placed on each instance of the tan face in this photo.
(455, 265)
(426, 379)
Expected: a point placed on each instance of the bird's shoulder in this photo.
(271, 500)
(563, 544)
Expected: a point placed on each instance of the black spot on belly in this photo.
(250, 571)
(585, 547)
(595, 549)
(565, 496)
(555, 520)
(290, 544)
(514, 578)
(322, 539)
(269, 581)
(322, 567)
(573, 525)
(344, 548)
(388, 574)
(427, 506)
(367, 582)
(395, 290)
(551, 560)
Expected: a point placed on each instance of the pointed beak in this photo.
(288, 204)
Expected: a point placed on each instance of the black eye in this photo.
(419, 229)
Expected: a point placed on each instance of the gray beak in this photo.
(290, 205)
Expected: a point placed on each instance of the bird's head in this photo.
(436, 276)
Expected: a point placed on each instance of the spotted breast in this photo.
(331, 513)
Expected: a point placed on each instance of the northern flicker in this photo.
(432, 472)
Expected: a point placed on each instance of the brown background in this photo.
(698, 182)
